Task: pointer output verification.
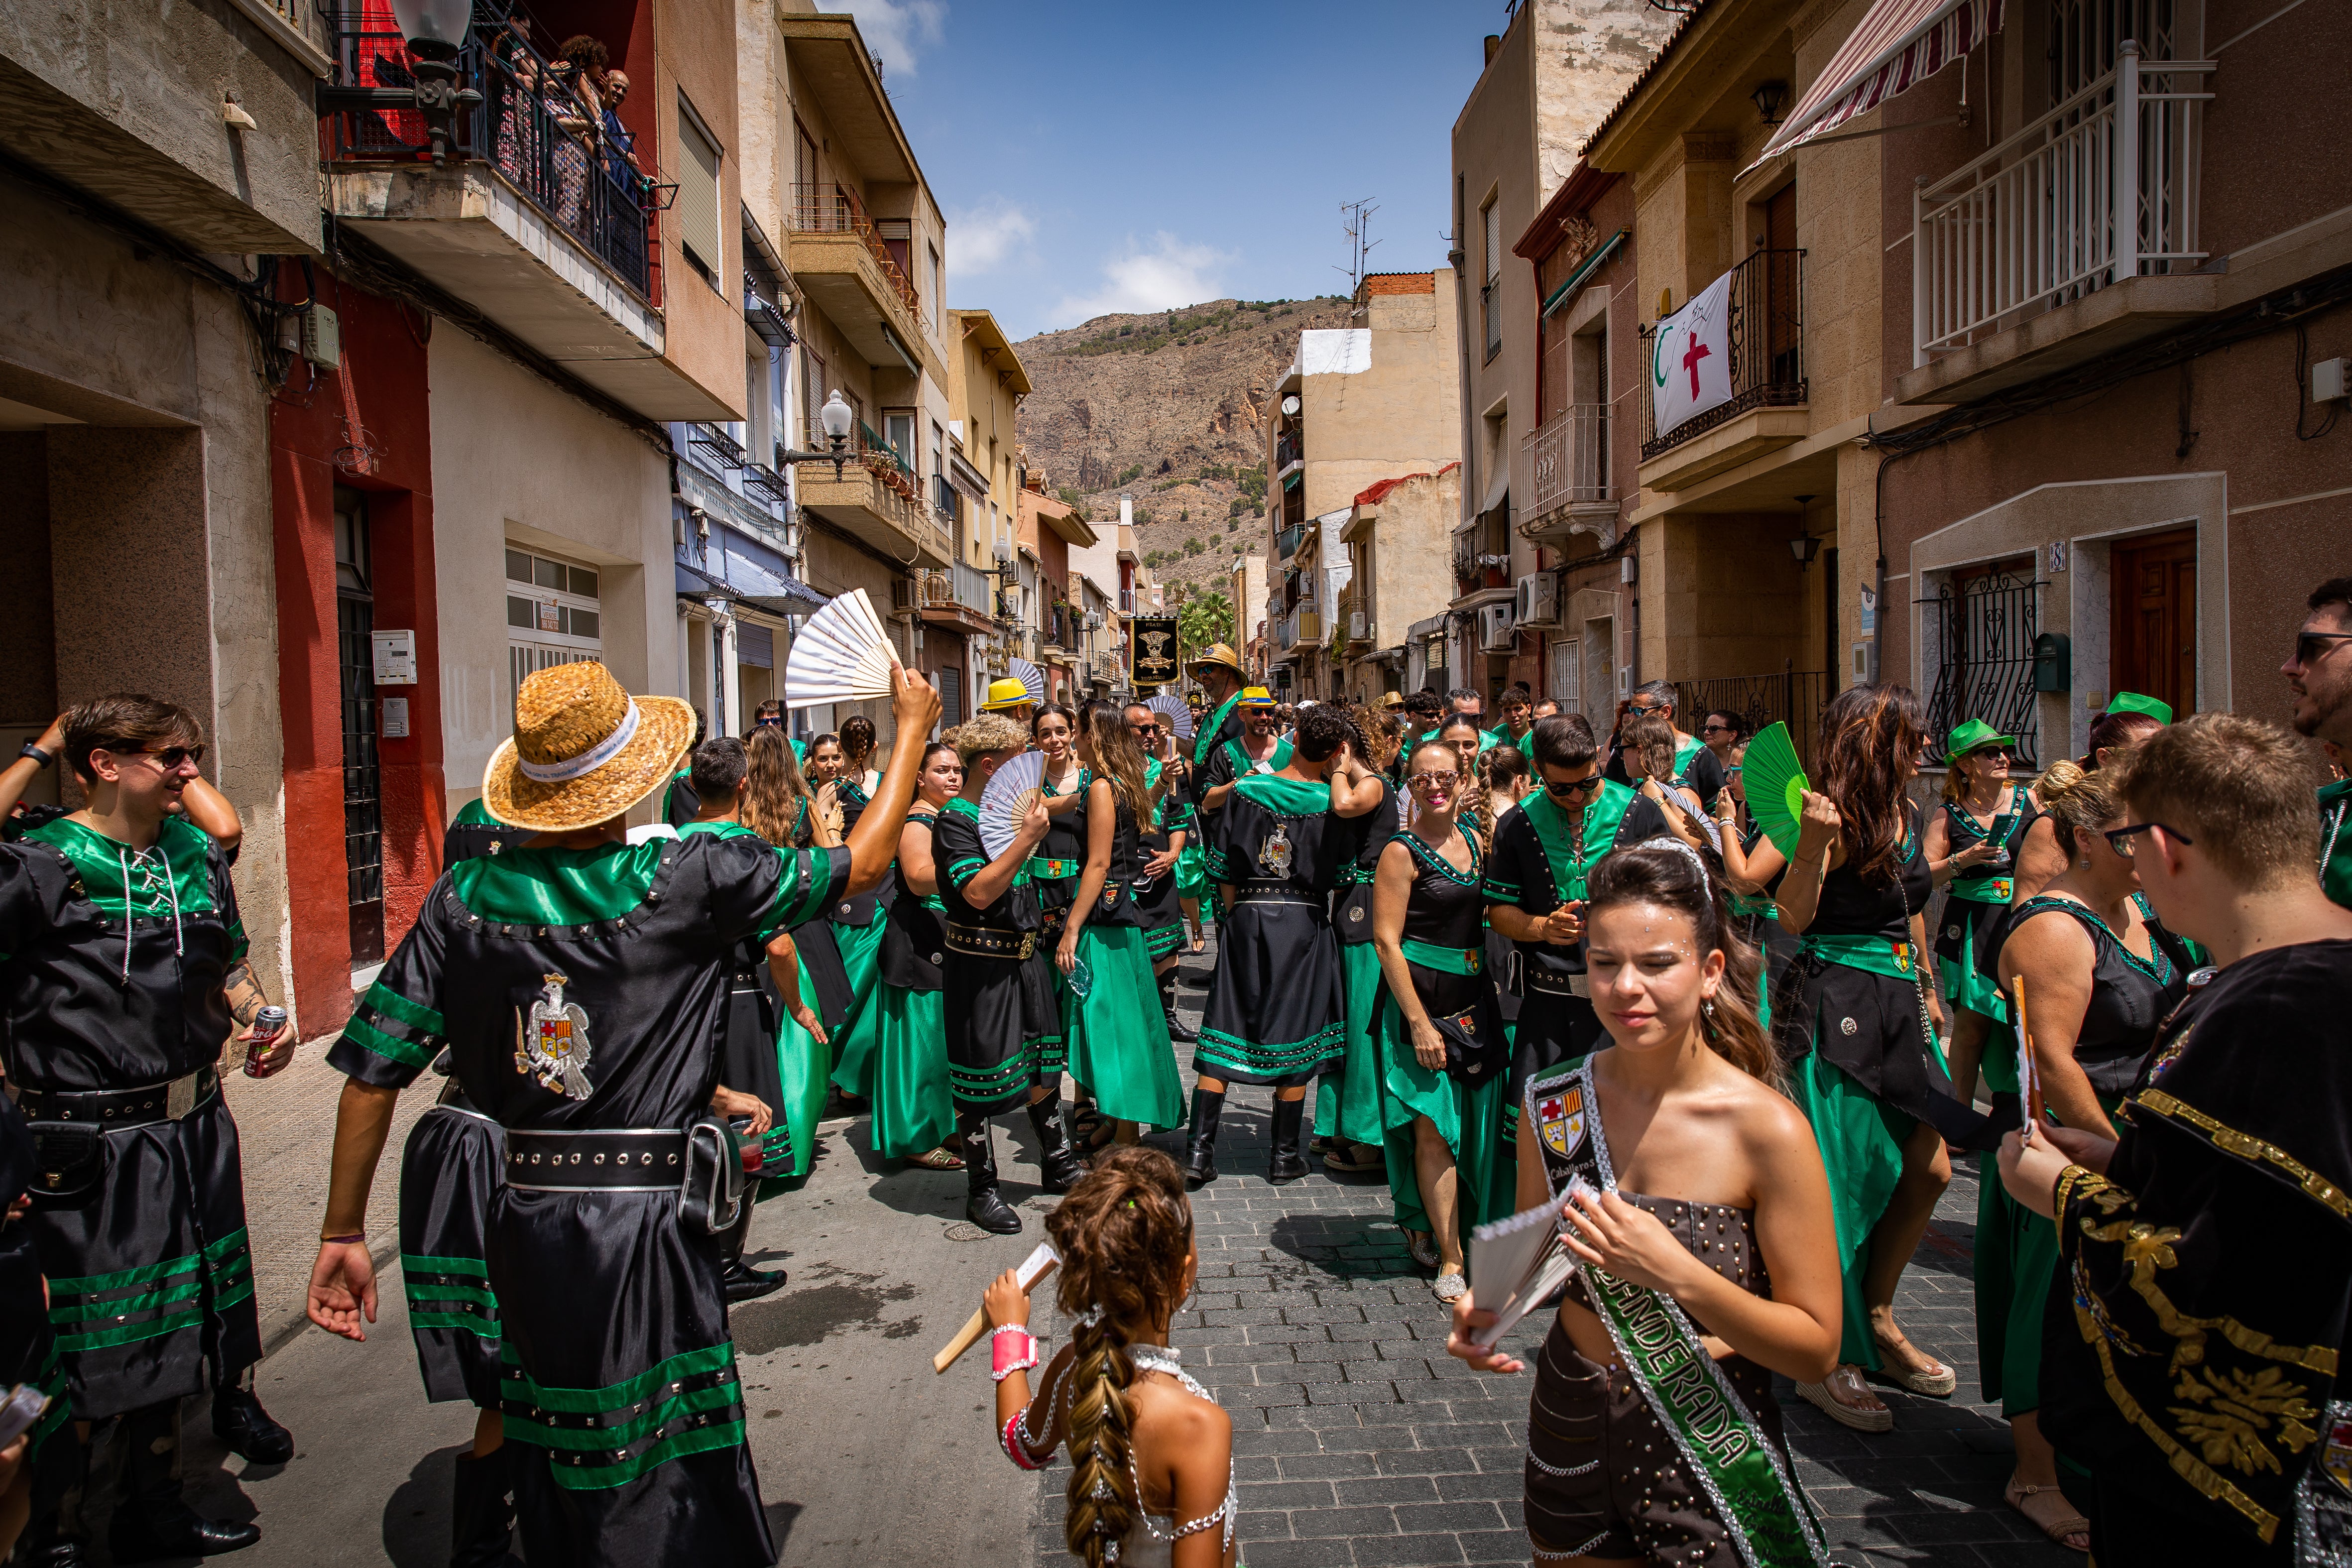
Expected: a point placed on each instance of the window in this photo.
(554, 614)
(1564, 686)
(1490, 294)
(812, 392)
(899, 430)
(939, 287)
(697, 207)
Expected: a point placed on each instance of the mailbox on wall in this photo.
(2054, 663)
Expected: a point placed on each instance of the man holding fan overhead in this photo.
(580, 983)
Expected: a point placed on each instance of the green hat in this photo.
(1967, 737)
(2133, 702)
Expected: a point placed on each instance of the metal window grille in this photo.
(1982, 637)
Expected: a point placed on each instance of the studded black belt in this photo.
(623, 1159)
(988, 942)
(113, 1107)
(1557, 984)
(1245, 894)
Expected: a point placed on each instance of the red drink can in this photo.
(268, 1024)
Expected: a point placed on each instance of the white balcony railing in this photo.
(1570, 454)
(2063, 207)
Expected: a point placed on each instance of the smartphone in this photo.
(19, 1411)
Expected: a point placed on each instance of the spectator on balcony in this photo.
(518, 83)
(568, 92)
(620, 165)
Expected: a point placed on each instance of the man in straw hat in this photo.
(1010, 697)
(580, 983)
(1219, 671)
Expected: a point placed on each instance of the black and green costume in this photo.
(1976, 909)
(1277, 1004)
(1118, 1044)
(857, 924)
(583, 993)
(1350, 1103)
(998, 1003)
(474, 831)
(1158, 900)
(905, 1076)
(2335, 841)
(29, 1346)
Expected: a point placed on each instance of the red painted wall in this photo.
(384, 378)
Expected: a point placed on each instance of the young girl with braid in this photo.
(1150, 1454)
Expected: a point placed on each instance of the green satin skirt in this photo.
(803, 1065)
(1192, 879)
(1116, 1034)
(913, 1111)
(1469, 1120)
(1860, 1141)
(853, 1047)
(1348, 1103)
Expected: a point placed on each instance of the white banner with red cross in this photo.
(1690, 358)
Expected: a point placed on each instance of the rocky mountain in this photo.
(1166, 407)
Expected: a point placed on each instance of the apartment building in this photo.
(1395, 530)
(1246, 587)
(959, 611)
(1045, 529)
(1358, 405)
(1549, 79)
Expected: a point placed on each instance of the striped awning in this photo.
(1900, 44)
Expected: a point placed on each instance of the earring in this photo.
(2086, 862)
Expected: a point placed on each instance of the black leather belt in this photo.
(1556, 985)
(113, 1107)
(988, 942)
(454, 1098)
(624, 1160)
(1249, 895)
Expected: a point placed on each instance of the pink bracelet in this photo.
(1014, 1449)
(1019, 1359)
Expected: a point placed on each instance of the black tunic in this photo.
(998, 1004)
(1061, 856)
(1353, 917)
(28, 1349)
(820, 955)
(611, 1308)
(863, 909)
(1160, 906)
(2130, 996)
(113, 980)
(1446, 909)
(1277, 1001)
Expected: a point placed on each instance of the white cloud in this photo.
(895, 29)
(1159, 277)
(981, 240)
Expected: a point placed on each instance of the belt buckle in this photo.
(1028, 944)
(1579, 986)
(180, 1097)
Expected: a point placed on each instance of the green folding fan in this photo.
(1776, 786)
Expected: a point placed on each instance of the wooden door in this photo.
(2153, 594)
(1782, 303)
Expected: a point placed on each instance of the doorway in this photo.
(362, 770)
(2152, 602)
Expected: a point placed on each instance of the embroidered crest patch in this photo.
(551, 1042)
(1560, 1118)
(2335, 1463)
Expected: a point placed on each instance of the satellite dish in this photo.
(1290, 405)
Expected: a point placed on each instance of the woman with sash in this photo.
(2100, 975)
(857, 923)
(1858, 1021)
(1165, 837)
(1053, 871)
(1276, 1003)
(778, 807)
(1441, 1045)
(1972, 848)
(1118, 1048)
(1754, 915)
(1694, 1206)
(905, 1081)
(1350, 1113)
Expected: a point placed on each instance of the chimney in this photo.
(1494, 42)
(1127, 511)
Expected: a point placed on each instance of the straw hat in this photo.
(1216, 653)
(584, 750)
(1006, 694)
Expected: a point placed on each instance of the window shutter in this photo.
(697, 194)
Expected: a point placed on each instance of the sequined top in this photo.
(1721, 1236)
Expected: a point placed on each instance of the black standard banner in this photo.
(1157, 661)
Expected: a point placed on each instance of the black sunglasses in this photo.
(2307, 651)
(771, 723)
(1716, 730)
(170, 757)
(2119, 839)
(1573, 786)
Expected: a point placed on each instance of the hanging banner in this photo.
(1157, 660)
(1690, 359)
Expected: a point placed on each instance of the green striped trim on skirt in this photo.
(601, 1437)
(985, 1085)
(1163, 941)
(93, 1312)
(1279, 1060)
(450, 1293)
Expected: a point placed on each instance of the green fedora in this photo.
(2133, 702)
(1967, 737)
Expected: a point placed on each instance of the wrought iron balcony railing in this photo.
(1766, 334)
(1570, 457)
(829, 208)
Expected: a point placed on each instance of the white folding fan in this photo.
(1161, 702)
(841, 654)
(1032, 678)
(1005, 800)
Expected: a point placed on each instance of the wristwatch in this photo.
(39, 756)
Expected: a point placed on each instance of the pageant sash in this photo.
(1205, 738)
(1763, 1508)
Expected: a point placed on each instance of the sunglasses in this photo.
(1445, 780)
(170, 757)
(1574, 786)
(771, 723)
(2307, 651)
(1709, 729)
(2120, 839)
(1988, 753)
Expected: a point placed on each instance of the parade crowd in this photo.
(1534, 974)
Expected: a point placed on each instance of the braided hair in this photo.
(1125, 1234)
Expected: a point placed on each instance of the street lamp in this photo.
(434, 31)
(838, 419)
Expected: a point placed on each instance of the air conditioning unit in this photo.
(907, 596)
(1358, 628)
(1538, 599)
(1497, 632)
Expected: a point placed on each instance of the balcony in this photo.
(874, 502)
(2066, 241)
(1106, 667)
(1306, 624)
(1767, 407)
(1286, 540)
(533, 220)
(1287, 453)
(958, 599)
(846, 267)
(1570, 455)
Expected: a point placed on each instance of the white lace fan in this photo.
(1174, 707)
(841, 654)
(1032, 678)
(1005, 800)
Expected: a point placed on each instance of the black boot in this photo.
(1058, 1160)
(1178, 1030)
(1201, 1142)
(152, 1520)
(985, 1207)
(1282, 1163)
(241, 1423)
(739, 1279)
(51, 1542)
(482, 1514)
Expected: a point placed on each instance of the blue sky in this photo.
(1093, 158)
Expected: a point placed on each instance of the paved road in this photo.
(1357, 1440)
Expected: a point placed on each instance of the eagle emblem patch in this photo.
(1559, 1118)
(551, 1042)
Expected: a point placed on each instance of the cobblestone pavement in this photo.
(1357, 1440)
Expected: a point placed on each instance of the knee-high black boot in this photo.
(1057, 1158)
(1201, 1142)
(741, 1281)
(1178, 1030)
(1284, 1162)
(984, 1206)
(481, 1512)
(153, 1520)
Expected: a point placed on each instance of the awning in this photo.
(1497, 491)
(1584, 268)
(1900, 44)
(750, 584)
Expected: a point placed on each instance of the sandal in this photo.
(1847, 1380)
(1103, 1133)
(1422, 1247)
(2060, 1529)
(1449, 1286)
(936, 1159)
(1200, 942)
(1936, 1385)
(1359, 1158)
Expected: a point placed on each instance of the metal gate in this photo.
(362, 771)
(1981, 632)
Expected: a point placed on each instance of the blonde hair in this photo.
(2079, 803)
(983, 733)
(775, 803)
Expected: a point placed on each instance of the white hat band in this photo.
(587, 762)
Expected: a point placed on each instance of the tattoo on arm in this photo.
(246, 997)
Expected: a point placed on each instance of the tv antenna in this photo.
(1358, 224)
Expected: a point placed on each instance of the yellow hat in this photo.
(583, 750)
(1216, 653)
(1006, 694)
(1392, 700)
(1257, 697)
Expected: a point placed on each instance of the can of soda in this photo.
(268, 1024)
